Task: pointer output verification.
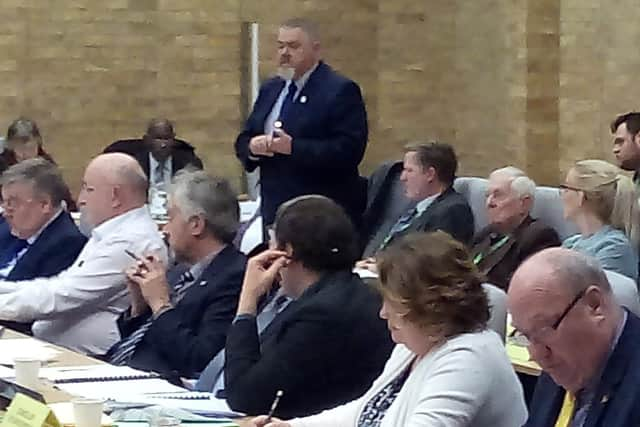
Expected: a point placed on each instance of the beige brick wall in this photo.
(528, 82)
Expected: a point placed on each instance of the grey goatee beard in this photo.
(286, 73)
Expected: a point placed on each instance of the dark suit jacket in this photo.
(449, 212)
(182, 155)
(54, 250)
(617, 399)
(182, 341)
(530, 237)
(324, 349)
(329, 133)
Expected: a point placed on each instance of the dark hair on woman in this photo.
(320, 233)
(24, 129)
(433, 276)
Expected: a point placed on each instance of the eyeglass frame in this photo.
(556, 324)
(565, 187)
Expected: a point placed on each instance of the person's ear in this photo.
(197, 225)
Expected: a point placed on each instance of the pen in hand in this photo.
(274, 405)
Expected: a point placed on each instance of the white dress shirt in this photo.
(275, 111)
(79, 307)
(160, 178)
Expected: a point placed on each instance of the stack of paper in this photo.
(20, 347)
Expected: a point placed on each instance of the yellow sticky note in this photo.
(27, 412)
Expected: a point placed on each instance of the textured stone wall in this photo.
(528, 82)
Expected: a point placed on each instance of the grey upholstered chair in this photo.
(625, 291)
(547, 206)
(498, 306)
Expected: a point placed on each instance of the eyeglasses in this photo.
(565, 187)
(543, 334)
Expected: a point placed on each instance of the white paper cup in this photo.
(87, 412)
(27, 369)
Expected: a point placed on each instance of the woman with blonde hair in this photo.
(603, 203)
(447, 368)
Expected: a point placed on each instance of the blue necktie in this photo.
(288, 102)
(402, 224)
(11, 251)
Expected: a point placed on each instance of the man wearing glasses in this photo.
(587, 345)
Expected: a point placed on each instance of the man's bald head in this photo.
(562, 302)
(113, 184)
(160, 138)
(558, 270)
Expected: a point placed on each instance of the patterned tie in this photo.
(288, 102)
(566, 412)
(122, 351)
(402, 224)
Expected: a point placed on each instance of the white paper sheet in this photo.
(23, 347)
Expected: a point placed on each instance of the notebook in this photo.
(94, 373)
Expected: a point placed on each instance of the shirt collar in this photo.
(423, 204)
(31, 240)
(304, 78)
(198, 268)
(116, 222)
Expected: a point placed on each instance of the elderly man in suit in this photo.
(587, 345)
(178, 320)
(40, 238)
(428, 174)
(512, 234)
(78, 307)
(308, 128)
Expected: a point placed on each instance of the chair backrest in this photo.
(547, 206)
(498, 307)
(386, 189)
(625, 291)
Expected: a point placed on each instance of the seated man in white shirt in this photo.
(78, 308)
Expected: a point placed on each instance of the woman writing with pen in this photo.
(447, 368)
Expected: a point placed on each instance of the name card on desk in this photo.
(27, 412)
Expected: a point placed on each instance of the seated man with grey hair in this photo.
(587, 345)
(512, 234)
(41, 238)
(78, 307)
(178, 319)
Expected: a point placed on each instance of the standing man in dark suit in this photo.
(512, 234)
(308, 128)
(587, 345)
(428, 174)
(40, 238)
(178, 320)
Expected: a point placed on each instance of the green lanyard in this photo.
(500, 243)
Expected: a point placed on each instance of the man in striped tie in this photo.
(587, 345)
(178, 320)
(428, 172)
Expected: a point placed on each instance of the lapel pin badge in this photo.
(203, 283)
(303, 99)
(604, 399)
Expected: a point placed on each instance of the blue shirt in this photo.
(611, 247)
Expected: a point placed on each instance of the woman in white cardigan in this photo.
(447, 369)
